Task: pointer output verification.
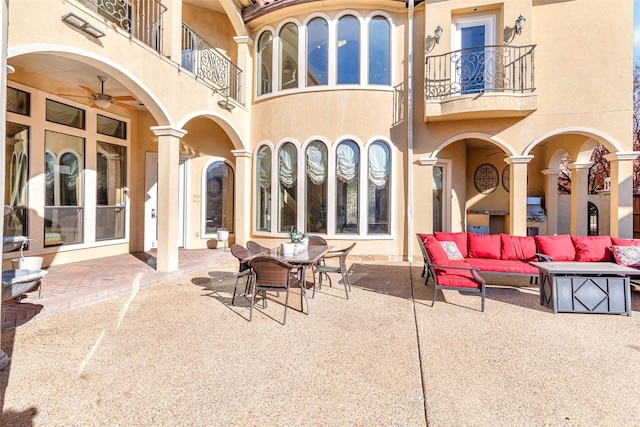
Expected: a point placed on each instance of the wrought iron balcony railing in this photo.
(480, 69)
(209, 65)
(142, 19)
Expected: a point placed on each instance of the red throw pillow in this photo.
(459, 237)
(559, 247)
(592, 248)
(484, 246)
(619, 241)
(521, 248)
(437, 255)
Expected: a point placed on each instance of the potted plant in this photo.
(300, 239)
(26, 262)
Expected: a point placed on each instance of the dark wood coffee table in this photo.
(585, 287)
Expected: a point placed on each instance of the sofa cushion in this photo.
(503, 266)
(592, 248)
(453, 253)
(521, 248)
(619, 241)
(456, 278)
(484, 246)
(558, 247)
(436, 254)
(459, 237)
(628, 256)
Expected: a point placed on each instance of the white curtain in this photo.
(317, 163)
(108, 127)
(288, 165)
(63, 114)
(264, 168)
(347, 162)
(378, 166)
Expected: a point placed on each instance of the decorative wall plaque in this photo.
(486, 178)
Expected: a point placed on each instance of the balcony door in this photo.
(472, 37)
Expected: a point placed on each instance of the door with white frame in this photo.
(151, 201)
(475, 67)
(442, 195)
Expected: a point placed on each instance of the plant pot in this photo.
(27, 263)
(288, 248)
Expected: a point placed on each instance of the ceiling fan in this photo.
(103, 101)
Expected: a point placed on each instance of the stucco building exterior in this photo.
(133, 125)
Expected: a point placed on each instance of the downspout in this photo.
(409, 238)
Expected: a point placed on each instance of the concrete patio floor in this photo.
(176, 352)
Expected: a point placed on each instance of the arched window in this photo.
(265, 63)
(263, 189)
(316, 194)
(289, 56)
(317, 52)
(219, 193)
(592, 226)
(287, 183)
(379, 188)
(347, 188)
(379, 51)
(348, 50)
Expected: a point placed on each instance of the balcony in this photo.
(480, 82)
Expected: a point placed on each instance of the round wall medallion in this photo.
(486, 178)
(506, 177)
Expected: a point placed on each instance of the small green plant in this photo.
(297, 236)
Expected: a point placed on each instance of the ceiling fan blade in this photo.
(123, 98)
(123, 105)
(94, 105)
(88, 89)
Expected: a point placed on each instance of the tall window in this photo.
(265, 63)
(437, 185)
(316, 194)
(64, 167)
(263, 186)
(347, 189)
(110, 191)
(16, 173)
(317, 52)
(219, 197)
(289, 56)
(593, 219)
(287, 197)
(348, 50)
(379, 188)
(379, 48)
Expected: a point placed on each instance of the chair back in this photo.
(343, 256)
(241, 253)
(317, 241)
(256, 248)
(272, 272)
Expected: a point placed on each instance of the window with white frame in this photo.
(219, 197)
(289, 56)
(379, 188)
(348, 50)
(316, 188)
(379, 51)
(265, 63)
(317, 52)
(347, 188)
(263, 189)
(287, 187)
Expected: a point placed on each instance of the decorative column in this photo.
(168, 196)
(424, 204)
(552, 200)
(621, 201)
(579, 200)
(245, 64)
(172, 32)
(243, 178)
(518, 194)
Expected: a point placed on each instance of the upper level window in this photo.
(379, 202)
(379, 51)
(317, 52)
(263, 189)
(64, 114)
(18, 101)
(348, 50)
(289, 56)
(265, 63)
(347, 188)
(316, 194)
(111, 127)
(287, 194)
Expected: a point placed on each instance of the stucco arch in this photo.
(227, 126)
(113, 69)
(601, 137)
(509, 151)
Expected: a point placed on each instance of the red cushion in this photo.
(503, 266)
(456, 278)
(460, 238)
(437, 255)
(521, 248)
(592, 248)
(559, 247)
(484, 245)
(619, 241)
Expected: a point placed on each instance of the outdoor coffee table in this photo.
(585, 287)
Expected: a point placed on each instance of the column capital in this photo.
(243, 40)
(512, 160)
(241, 153)
(550, 171)
(168, 131)
(428, 161)
(578, 166)
(622, 156)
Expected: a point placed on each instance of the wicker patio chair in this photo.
(242, 254)
(317, 241)
(341, 268)
(256, 248)
(272, 274)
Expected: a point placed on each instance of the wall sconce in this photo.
(81, 24)
(226, 104)
(519, 24)
(438, 34)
